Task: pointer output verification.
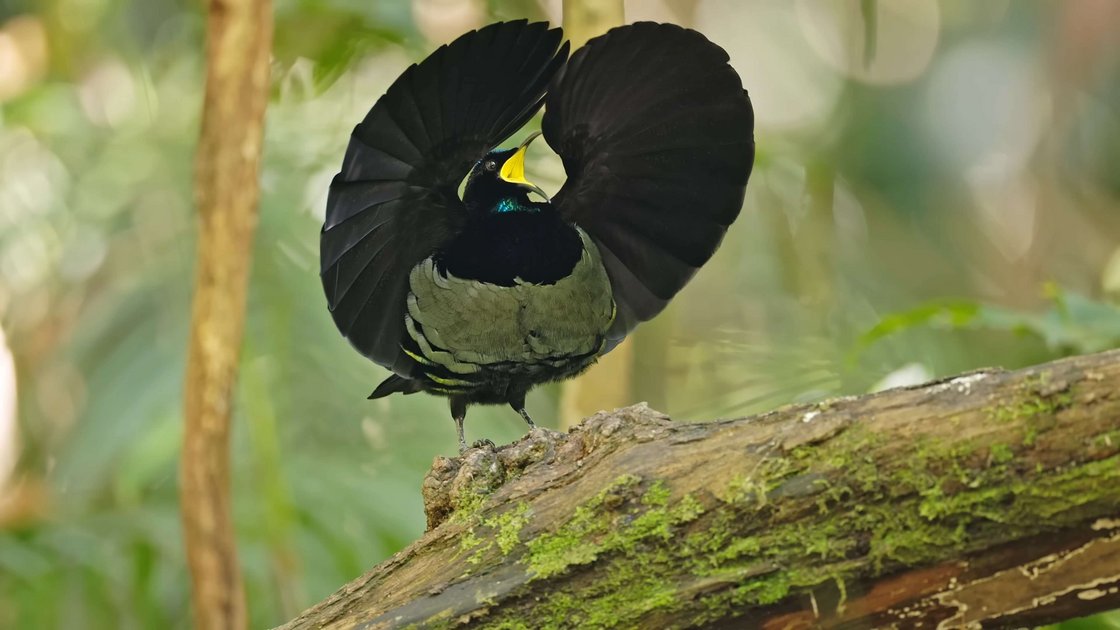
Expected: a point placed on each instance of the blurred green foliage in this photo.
(1073, 324)
(883, 227)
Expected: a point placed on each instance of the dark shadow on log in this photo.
(989, 498)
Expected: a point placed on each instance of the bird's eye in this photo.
(490, 165)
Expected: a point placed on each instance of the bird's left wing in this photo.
(657, 138)
(395, 200)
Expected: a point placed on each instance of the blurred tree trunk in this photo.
(609, 383)
(584, 19)
(239, 39)
(989, 498)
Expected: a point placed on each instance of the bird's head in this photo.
(497, 182)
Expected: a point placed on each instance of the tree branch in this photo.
(989, 497)
(226, 190)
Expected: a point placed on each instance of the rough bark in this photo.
(991, 498)
(239, 36)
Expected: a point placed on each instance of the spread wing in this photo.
(657, 138)
(395, 200)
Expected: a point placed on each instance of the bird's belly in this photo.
(467, 331)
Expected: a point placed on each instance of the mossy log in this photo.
(991, 498)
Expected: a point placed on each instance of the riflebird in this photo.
(481, 297)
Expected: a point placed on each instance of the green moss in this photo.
(1068, 490)
(574, 542)
(1107, 441)
(507, 527)
(605, 524)
(1000, 500)
(742, 489)
(1030, 406)
(619, 599)
(470, 542)
(747, 546)
(467, 504)
(1034, 404)
(902, 535)
(755, 486)
(1001, 453)
(849, 452)
(701, 548)
(759, 591)
(631, 524)
(510, 624)
(765, 590)
(504, 529)
(468, 501)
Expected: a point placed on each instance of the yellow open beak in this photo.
(513, 171)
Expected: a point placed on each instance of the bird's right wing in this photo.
(657, 137)
(395, 200)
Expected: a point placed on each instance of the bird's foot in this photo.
(483, 442)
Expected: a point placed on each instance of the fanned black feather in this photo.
(394, 201)
(657, 138)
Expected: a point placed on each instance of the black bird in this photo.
(481, 298)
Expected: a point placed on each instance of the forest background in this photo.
(936, 190)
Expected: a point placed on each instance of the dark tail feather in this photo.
(395, 384)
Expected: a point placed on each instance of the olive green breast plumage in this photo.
(468, 326)
(480, 298)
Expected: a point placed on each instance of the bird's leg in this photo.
(528, 420)
(459, 414)
(459, 430)
(518, 403)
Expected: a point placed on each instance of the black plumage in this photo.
(481, 298)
